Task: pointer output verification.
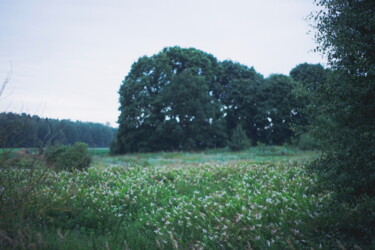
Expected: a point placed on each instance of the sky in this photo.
(68, 58)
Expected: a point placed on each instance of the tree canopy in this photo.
(166, 102)
(309, 80)
(23, 130)
(344, 107)
(185, 99)
(346, 101)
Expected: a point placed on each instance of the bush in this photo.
(307, 142)
(21, 180)
(239, 139)
(68, 157)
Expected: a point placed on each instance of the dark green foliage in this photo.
(22, 130)
(277, 110)
(346, 102)
(310, 78)
(307, 142)
(239, 139)
(345, 107)
(167, 103)
(65, 157)
(310, 75)
(240, 90)
(184, 99)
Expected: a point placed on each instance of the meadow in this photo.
(254, 199)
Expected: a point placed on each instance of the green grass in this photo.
(254, 155)
(99, 151)
(216, 199)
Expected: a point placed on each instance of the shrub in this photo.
(21, 180)
(307, 142)
(239, 139)
(64, 157)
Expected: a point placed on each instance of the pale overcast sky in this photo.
(69, 57)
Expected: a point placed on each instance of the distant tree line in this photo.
(23, 130)
(185, 99)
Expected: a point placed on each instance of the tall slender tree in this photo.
(345, 30)
(346, 34)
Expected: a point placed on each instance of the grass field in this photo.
(259, 198)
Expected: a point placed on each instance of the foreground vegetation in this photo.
(259, 198)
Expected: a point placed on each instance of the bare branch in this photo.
(6, 80)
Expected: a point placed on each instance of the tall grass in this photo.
(214, 199)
